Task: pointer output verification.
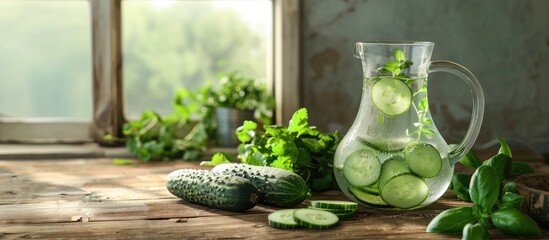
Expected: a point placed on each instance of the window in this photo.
(97, 74)
(172, 44)
(45, 69)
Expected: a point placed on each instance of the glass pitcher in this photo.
(393, 155)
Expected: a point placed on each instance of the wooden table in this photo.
(93, 198)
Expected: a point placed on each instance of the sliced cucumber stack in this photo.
(405, 191)
(342, 209)
(394, 166)
(423, 159)
(315, 219)
(391, 96)
(283, 219)
(362, 168)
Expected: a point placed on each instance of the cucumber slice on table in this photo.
(391, 96)
(392, 167)
(368, 198)
(405, 191)
(283, 219)
(362, 168)
(423, 159)
(334, 204)
(315, 219)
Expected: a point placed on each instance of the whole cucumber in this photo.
(213, 189)
(276, 186)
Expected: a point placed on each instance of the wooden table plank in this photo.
(92, 198)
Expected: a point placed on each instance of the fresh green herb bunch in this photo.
(395, 67)
(299, 147)
(502, 162)
(153, 137)
(241, 93)
(490, 205)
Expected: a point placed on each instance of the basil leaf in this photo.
(511, 221)
(510, 187)
(501, 164)
(471, 160)
(513, 200)
(519, 168)
(504, 148)
(452, 220)
(484, 188)
(475, 232)
(460, 185)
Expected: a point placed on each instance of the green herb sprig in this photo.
(395, 67)
(298, 147)
(489, 206)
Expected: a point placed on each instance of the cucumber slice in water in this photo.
(362, 168)
(315, 219)
(366, 197)
(391, 96)
(283, 219)
(334, 204)
(423, 159)
(405, 191)
(392, 167)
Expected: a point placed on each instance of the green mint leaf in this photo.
(423, 104)
(246, 132)
(510, 187)
(452, 220)
(406, 64)
(218, 158)
(519, 168)
(460, 185)
(484, 188)
(511, 199)
(392, 67)
(399, 55)
(502, 165)
(475, 232)
(512, 221)
(504, 147)
(471, 160)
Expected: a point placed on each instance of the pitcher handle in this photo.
(478, 106)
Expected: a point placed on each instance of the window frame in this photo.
(108, 105)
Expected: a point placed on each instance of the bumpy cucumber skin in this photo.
(276, 186)
(212, 189)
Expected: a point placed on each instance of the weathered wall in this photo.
(505, 43)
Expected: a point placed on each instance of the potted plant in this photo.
(236, 99)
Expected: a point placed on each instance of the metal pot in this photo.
(228, 120)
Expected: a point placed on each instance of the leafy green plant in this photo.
(298, 147)
(474, 221)
(153, 137)
(490, 206)
(502, 163)
(241, 93)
